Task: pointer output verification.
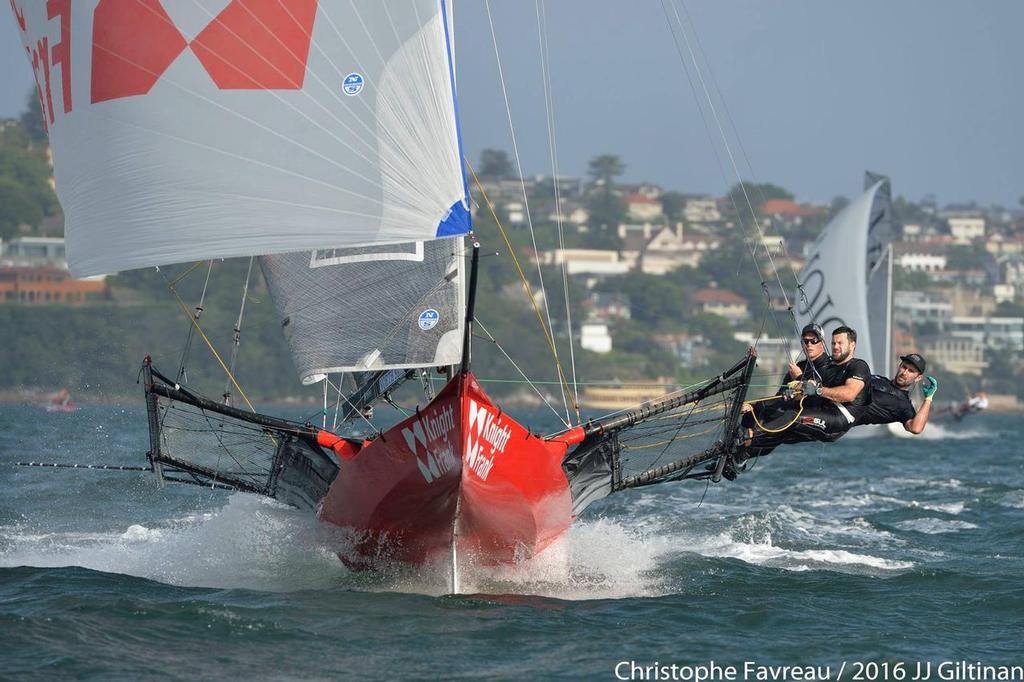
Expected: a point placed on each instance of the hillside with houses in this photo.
(641, 286)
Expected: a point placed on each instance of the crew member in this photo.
(890, 398)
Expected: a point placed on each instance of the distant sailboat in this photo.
(848, 278)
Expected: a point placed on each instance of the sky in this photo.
(810, 93)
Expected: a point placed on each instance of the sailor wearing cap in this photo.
(812, 340)
(890, 398)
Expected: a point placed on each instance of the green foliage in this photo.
(25, 193)
(758, 193)
(604, 204)
(672, 204)
(495, 165)
(964, 257)
(909, 280)
(604, 168)
(32, 120)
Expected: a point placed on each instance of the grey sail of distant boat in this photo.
(848, 276)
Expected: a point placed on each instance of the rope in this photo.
(788, 424)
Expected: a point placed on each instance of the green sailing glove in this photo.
(929, 386)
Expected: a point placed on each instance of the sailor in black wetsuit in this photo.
(829, 407)
(890, 398)
(815, 361)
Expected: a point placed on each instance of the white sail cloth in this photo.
(847, 278)
(218, 128)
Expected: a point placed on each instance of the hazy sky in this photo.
(927, 91)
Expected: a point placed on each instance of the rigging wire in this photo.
(522, 276)
(549, 105)
(209, 344)
(742, 148)
(526, 200)
(181, 375)
(522, 374)
(682, 32)
(237, 334)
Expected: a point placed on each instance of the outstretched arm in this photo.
(920, 420)
(844, 393)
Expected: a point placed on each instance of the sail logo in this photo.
(429, 319)
(353, 84)
(810, 304)
(485, 440)
(431, 427)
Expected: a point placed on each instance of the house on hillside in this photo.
(723, 303)
(642, 207)
(660, 250)
(788, 212)
(47, 284)
(604, 306)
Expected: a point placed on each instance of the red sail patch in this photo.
(250, 45)
(133, 43)
(258, 44)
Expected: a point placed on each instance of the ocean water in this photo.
(873, 550)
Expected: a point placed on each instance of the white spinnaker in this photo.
(241, 139)
(841, 273)
(369, 308)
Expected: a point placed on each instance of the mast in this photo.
(888, 313)
(470, 310)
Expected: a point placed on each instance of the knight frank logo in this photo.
(248, 45)
(431, 433)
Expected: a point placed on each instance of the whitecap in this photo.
(934, 526)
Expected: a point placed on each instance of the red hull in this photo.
(458, 471)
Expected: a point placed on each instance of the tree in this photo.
(837, 205)
(32, 119)
(494, 164)
(604, 169)
(604, 204)
(672, 204)
(758, 193)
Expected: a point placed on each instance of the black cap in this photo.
(915, 360)
(813, 329)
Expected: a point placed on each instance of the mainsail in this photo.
(194, 130)
(847, 279)
(370, 308)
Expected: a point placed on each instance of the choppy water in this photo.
(868, 550)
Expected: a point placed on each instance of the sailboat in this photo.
(322, 138)
(847, 279)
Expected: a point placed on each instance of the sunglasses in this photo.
(810, 342)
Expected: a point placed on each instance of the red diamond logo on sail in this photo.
(133, 43)
(258, 44)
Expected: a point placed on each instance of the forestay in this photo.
(847, 278)
(217, 128)
(369, 308)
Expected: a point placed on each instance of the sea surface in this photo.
(874, 550)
